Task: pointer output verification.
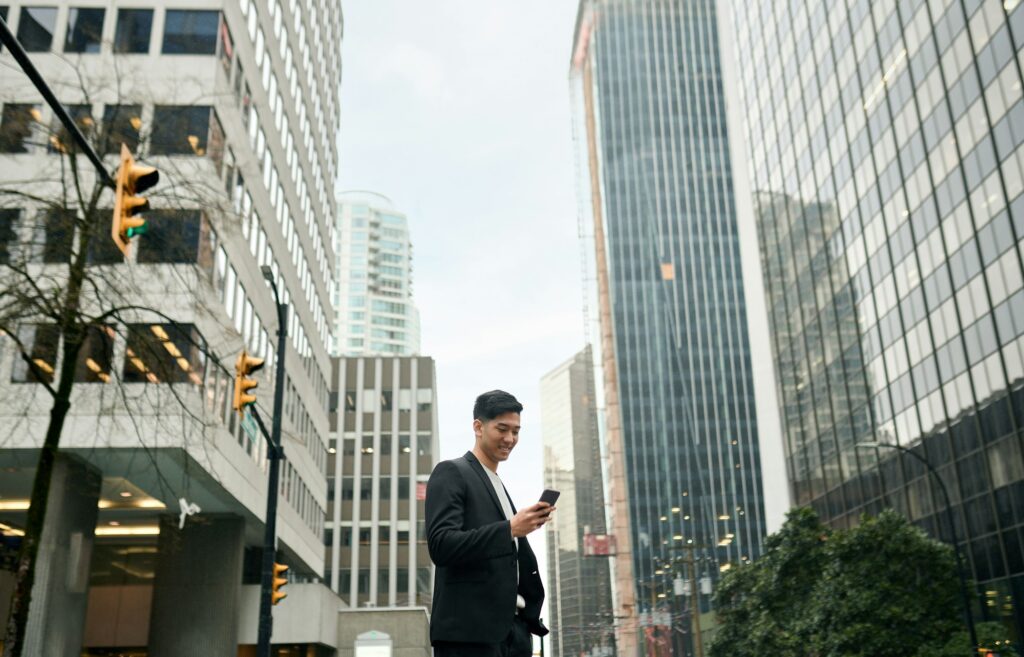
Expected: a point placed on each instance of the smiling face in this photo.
(496, 438)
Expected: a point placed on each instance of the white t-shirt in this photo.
(506, 506)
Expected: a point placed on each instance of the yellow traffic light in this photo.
(132, 179)
(279, 570)
(244, 367)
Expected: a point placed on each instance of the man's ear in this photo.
(478, 427)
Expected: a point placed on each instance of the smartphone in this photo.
(549, 496)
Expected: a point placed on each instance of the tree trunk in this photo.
(25, 574)
(73, 334)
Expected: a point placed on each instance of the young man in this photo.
(487, 591)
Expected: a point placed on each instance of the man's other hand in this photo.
(531, 518)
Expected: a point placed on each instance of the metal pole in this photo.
(956, 541)
(69, 124)
(274, 453)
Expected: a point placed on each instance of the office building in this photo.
(165, 487)
(374, 311)
(383, 447)
(884, 142)
(579, 600)
(666, 305)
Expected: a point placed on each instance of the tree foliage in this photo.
(881, 589)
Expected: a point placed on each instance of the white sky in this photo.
(458, 110)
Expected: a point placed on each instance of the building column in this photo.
(60, 591)
(197, 587)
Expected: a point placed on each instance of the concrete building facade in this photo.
(236, 104)
(384, 444)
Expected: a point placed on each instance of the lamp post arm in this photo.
(961, 572)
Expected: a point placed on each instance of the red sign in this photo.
(421, 491)
(598, 545)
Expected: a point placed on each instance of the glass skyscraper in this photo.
(666, 304)
(579, 586)
(885, 154)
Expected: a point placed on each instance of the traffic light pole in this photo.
(274, 454)
(69, 124)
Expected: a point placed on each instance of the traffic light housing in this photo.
(279, 580)
(244, 367)
(132, 179)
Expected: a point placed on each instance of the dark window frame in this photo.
(35, 41)
(190, 122)
(127, 37)
(16, 131)
(185, 34)
(84, 39)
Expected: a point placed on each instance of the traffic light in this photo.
(132, 179)
(244, 367)
(279, 570)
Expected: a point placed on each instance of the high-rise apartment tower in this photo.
(374, 310)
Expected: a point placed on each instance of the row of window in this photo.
(269, 81)
(154, 353)
(421, 596)
(346, 533)
(172, 237)
(175, 129)
(295, 492)
(186, 31)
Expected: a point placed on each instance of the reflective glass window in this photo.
(35, 28)
(134, 27)
(85, 29)
(189, 32)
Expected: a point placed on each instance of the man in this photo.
(487, 591)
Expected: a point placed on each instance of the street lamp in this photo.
(274, 454)
(952, 527)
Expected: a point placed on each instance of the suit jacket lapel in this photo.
(478, 467)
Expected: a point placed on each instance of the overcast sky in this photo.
(458, 111)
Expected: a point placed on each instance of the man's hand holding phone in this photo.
(534, 517)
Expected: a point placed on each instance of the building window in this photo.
(172, 236)
(54, 236)
(3, 15)
(134, 27)
(10, 218)
(122, 123)
(40, 343)
(61, 140)
(16, 127)
(226, 48)
(102, 250)
(94, 358)
(163, 353)
(180, 129)
(85, 29)
(35, 28)
(189, 32)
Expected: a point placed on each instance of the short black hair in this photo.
(491, 404)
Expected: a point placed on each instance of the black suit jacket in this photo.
(470, 542)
